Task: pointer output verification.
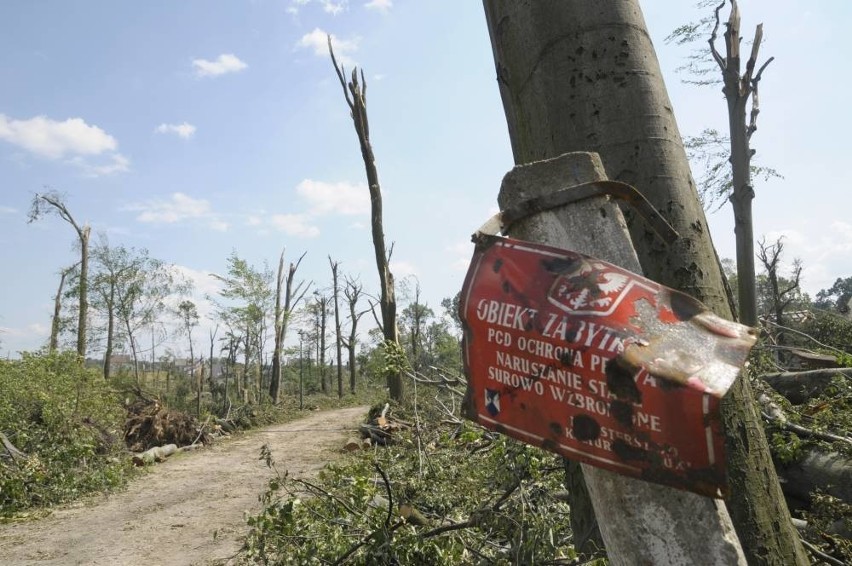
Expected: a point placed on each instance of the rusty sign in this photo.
(598, 364)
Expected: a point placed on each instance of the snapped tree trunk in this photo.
(292, 296)
(355, 93)
(55, 204)
(352, 291)
(583, 76)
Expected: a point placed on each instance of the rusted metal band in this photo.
(568, 195)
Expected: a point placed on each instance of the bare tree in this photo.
(355, 93)
(780, 297)
(292, 297)
(188, 314)
(52, 202)
(352, 291)
(321, 302)
(739, 87)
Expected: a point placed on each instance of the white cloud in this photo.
(117, 163)
(203, 283)
(184, 130)
(223, 64)
(328, 6)
(401, 269)
(317, 40)
(335, 198)
(254, 220)
(178, 207)
(55, 140)
(825, 257)
(383, 6)
(461, 252)
(73, 140)
(334, 8)
(297, 225)
(8, 210)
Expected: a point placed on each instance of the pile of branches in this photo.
(809, 423)
(150, 424)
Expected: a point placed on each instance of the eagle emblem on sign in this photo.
(592, 288)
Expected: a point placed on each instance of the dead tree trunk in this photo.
(292, 297)
(583, 76)
(738, 88)
(355, 93)
(337, 337)
(352, 291)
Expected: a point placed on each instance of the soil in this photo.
(189, 509)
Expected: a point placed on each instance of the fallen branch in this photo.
(799, 387)
(820, 554)
(13, 452)
(775, 414)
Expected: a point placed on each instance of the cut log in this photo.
(155, 454)
(800, 386)
(829, 472)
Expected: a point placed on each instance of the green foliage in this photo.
(67, 422)
(836, 297)
(394, 359)
(786, 448)
(479, 498)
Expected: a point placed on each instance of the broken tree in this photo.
(355, 92)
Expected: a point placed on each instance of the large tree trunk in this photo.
(355, 93)
(583, 76)
(641, 522)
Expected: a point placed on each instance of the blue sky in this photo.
(197, 128)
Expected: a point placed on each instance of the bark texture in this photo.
(641, 522)
(583, 76)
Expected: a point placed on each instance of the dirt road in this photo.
(168, 517)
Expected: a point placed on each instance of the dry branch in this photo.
(13, 452)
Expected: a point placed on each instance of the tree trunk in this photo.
(356, 98)
(583, 76)
(337, 337)
(800, 387)
(275, 379)
(84, 287)
(641, 522)
(57, 311)
(110, 333)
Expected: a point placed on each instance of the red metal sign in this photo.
(598, 364)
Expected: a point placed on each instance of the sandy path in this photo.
(168, 517)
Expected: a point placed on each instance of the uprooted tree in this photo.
(582, 76)
(355, 92)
